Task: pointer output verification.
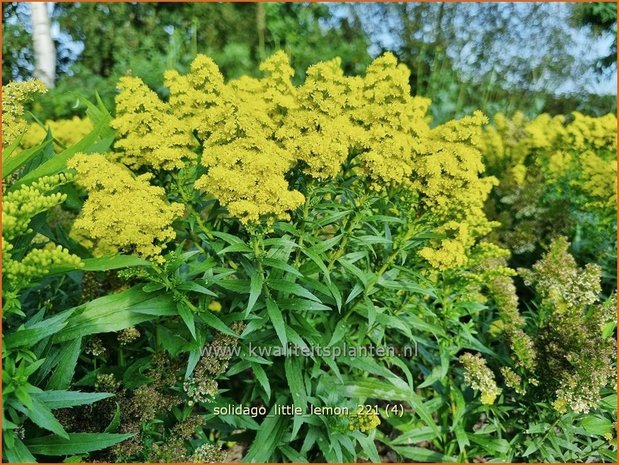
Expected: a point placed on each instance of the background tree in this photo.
(99, 42)
(43, 45)
(17, 56)
(601, 19)
(491, 56)
(505, 57)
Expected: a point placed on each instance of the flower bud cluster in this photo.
(576, 357)
(363, 421)
(14, 96)
(19, 207)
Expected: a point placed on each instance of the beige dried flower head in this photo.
(478, 376)
(95, 347)
(208, 453)
(106, 382)
(576, 358)
(513, 380)
(128, 335)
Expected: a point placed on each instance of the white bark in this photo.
(44, 49)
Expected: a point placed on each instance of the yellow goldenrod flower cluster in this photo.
(123, 212)
(38, 262)
(214, 306)
(255, 132)
(246, 166)
(247, 176)
(279, 92)
(318, 126)
(15, 95)
(198, 99)
(147, 131)
(582, 151)
(544, 132)
(478, 376)
(22, 204)
(363, 421)
(591, 132)
(65, 131)
(598, 180)
(394, 123)
(451, 187)
(553, 171)
(18, 208)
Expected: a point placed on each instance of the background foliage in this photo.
(493, 57)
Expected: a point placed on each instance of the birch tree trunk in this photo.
(44, 49)
(261, 28)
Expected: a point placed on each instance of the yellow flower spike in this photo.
(488, 398)
(15, 95)
(558, 163)
(279, 93)
(198, 99)
(394, 123)
(497, 327)
(363, 421)
(592, 132)
(250, 184)
(519, 173)
(18, 208)
(598, 180)
(585, 147)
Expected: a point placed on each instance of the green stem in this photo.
(550, 429)
(297, 259)
(351, 223)
(395, 313)
(201, 224)
(256, 242)
(392, 257)
(187, 201)
(196, 241)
